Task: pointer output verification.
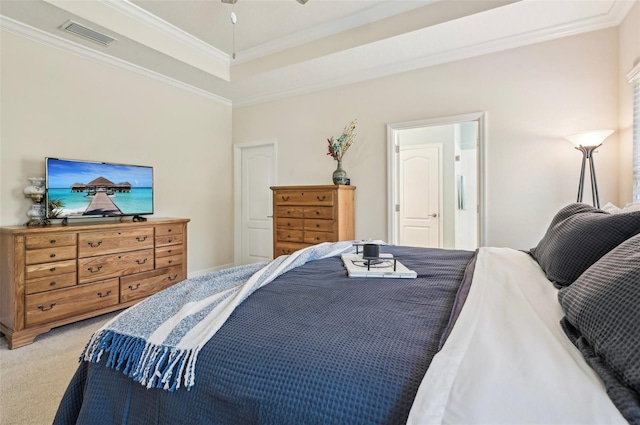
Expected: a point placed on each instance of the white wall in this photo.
(629, 38)
(533, 96)
(61, 105)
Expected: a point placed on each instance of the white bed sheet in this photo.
(507, 360)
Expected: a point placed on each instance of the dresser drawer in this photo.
(50, 240)
(287, 248)
(50, 283)
(295, 212)
(171, 260)
(50, 269)
(169, 239)
(289, 223)
(325, 213)
(114, 265)
(44, 255)
(168, 229)
(290, 235)
(142, 285)
(92, 244)
(168, 251)
(62, 303)
(319, 225)
(318, 237)
(311, 197)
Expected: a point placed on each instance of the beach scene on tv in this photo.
(77, 188)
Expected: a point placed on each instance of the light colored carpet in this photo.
(34, 378)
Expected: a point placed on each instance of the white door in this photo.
(257, 174)
(419, 195)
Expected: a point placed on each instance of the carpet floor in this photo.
(34, 378)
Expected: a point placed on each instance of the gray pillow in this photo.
(603, 310)
(577, 237)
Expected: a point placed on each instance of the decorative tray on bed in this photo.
(382, 266)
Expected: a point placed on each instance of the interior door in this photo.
(419, 195)
(257, 175)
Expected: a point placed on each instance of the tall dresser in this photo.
(55, 275)
(308, 215)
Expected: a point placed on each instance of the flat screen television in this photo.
(78, 188)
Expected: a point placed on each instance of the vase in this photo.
(339, 175)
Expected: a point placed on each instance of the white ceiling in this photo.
(284, 48)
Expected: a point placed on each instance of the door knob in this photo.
(434, 215)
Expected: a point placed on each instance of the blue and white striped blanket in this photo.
(157, 341)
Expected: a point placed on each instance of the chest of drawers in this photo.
(308, 215)
(55, 275)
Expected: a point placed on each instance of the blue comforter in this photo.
(311, 347)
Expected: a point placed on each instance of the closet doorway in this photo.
(436, 199)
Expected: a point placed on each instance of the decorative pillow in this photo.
(603, 307)
(578, 236)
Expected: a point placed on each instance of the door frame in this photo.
(238, 149)
(393, 130)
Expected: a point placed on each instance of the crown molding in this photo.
(509, 39)
(403, 53)
(373, 14)
(132, 22)
(141, 15)
(68, 46)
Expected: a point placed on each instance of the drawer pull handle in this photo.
(317, 212)
(52, 269)
(170, 251)
(170, 261)
(321, 198)
(285, 198)
(96, 270)
(94, 245)
(52, 256)
(141, 239)
(169, 230)
(170, 240)
(105, 295)
(171, 279)
(141, 261)
(53, 283)
(317, 225)
(52, 241)
(43, 308)
(132, 288)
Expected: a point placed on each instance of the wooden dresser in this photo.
(307, 215)
(55, 275)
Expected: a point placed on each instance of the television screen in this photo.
(97, 189)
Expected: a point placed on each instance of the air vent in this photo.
(88, 33)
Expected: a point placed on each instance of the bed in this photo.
(492, 336)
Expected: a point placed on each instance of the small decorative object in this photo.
(37, 213)
(337, 148)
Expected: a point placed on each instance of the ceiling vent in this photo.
(88, 33)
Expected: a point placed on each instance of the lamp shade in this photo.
(589, 138)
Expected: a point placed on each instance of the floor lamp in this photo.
(587, 143)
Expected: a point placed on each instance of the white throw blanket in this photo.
(157, 341)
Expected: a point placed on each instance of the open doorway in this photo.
(435, 177)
